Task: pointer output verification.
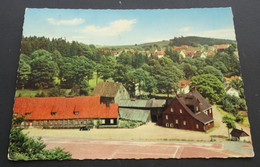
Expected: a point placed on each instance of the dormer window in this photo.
(28, 114)
(53, 113)
(76, 112)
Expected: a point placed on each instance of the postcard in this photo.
(129, 84)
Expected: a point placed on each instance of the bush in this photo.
(23, 147)
(56, 92)
(239, 118)
(40, 94)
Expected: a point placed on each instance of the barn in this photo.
(64, 112)
(110, 92)
(148, 110)
(189, 111)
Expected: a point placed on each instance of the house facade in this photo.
(189, 111)
(64, 112)
(110, 92)
(231, 91)
(184, 87)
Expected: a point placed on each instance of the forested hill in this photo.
(193, 40)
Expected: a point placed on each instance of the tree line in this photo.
(46, 63)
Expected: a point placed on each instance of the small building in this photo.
(64, 112)
(184, 87)
(189, 111)
(232, 91)
(135, 114)
(222, 48)
(154, 107)
(110, 92)
(239, 135)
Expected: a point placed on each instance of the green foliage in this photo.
(229, 121)
(24, 71)
(189, 70)
(56, 92)
(233, 104)
(209, 87)
(212, 70)
(193, 40)
(23, 147)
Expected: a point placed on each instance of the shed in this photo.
(239, 135)
(134, 114)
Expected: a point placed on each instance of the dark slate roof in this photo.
(132, 103)
(152, 103)
(106, 89)
(134, 114)
(156, 103)
(190, 99)
(238, 133)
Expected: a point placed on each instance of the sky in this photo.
(128, 27)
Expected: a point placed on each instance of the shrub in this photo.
(23, 147)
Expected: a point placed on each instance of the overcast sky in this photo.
(122, 27)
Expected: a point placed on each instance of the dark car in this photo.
(84, 128)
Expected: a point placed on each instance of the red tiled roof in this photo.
(232, 77)
(40, 108)
(183, 83)
(189, 53)
(222, 46)
(211, 53)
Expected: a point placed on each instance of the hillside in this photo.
(193, 40)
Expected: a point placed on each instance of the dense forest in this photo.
(58, 64)
(195, 41)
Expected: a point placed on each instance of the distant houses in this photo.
(189, 111)
(110, 92)
(64, 112)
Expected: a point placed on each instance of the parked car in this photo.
(84, 128)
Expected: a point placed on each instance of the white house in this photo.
(184, 87)
(231, 91)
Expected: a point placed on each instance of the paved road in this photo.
(107, 149)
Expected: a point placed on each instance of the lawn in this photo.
(245, 121)
(32, 93)
(92, 82)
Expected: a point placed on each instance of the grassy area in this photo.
(245, 121)
(216, 126)
(128, 123)
(92, 82)
(32, 93)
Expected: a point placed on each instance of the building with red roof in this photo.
(64, 112)
(184, 87)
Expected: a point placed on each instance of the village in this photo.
(110, 106)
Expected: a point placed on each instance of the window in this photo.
(180, 111)
(76, 112)
(56, 122)
(103, 121)
(184, 122)
(171, 125)
(53, 113)
(41, 122)
(210, 111)
(28, 114)
(176, 121)
(85, 122)
(111, 121)
(197, 126)
(197, 108)
(167, 124)
(171, 109)
(166, 117)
